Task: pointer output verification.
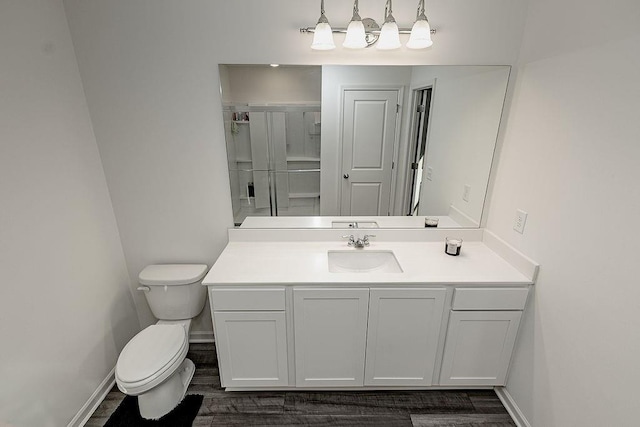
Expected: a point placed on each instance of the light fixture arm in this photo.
(356, 12)
(388, 12)
(420, 14)
(323, 19)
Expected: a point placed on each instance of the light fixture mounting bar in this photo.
(344, 30)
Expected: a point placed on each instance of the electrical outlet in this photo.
(429, 173)
(466, 193)
(521, 220)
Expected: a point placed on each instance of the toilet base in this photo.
(161, 399)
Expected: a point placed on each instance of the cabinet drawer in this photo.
(490, 298)
(262, 299)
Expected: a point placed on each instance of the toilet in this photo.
(153, 365)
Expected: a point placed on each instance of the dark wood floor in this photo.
(384, 408)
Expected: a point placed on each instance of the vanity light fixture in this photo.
(421, 32)
(323, 35)
(389, 35)
(365, 32)
(356, 37)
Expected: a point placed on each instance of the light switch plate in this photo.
(429, 173)
(521, 220)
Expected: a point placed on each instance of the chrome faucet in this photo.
(358, 242)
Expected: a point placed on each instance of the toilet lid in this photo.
(172, 274)
(150, 351)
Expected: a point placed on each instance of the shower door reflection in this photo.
(274, 160)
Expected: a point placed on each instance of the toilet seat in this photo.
(151, 357)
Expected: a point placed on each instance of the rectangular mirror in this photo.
(366, 146)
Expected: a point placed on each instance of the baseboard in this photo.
(201, 337)
(94, 401)
(511, 407)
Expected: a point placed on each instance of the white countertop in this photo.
(328, 221)
(258, 263)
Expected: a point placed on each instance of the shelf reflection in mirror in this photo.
(386, 144)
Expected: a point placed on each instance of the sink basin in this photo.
(350, 224)
(363, 261)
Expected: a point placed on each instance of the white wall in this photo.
(150, 71)
(65, 306)
(463, 126)
(570, 159)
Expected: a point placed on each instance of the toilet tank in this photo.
(174, 291)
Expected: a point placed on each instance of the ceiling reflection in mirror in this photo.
(360, 146)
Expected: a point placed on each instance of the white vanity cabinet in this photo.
(251, 336)
(402, 335)
(365, 336)
(330, 327)
(481, 334)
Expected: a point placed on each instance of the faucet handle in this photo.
(365, 239)
(352, 240)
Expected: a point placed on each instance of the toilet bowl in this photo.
(153, 364)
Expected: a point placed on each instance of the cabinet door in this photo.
(478, 347)
(330, 334)
(402, 338)
(252, 347)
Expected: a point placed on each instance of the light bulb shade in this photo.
(389, 37)
(420, 35)
(355, 38)
(323, 37)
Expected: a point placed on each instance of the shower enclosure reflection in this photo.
(274, 160)
(272, 129)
